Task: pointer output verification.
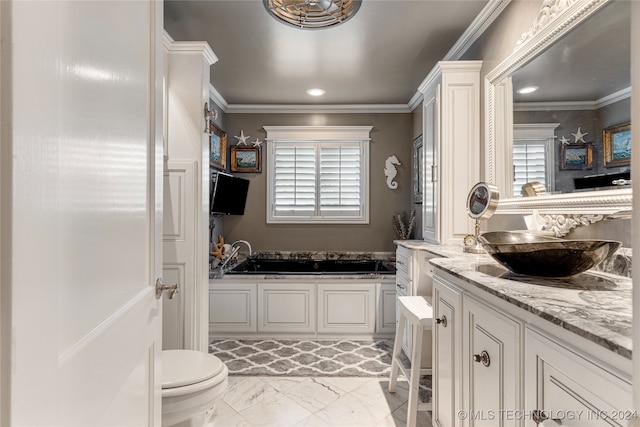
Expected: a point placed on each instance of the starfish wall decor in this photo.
(579, 136)
(242, 139)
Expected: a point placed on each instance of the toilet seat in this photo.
(184, 368)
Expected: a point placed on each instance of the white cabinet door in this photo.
(232, 307)
(570, 388)
(386, 317)
(346, 308)
(430, 227)
(491, 365)
(447, 304)
(286, 307)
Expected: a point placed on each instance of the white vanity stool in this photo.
(192, 383)
(416, 311)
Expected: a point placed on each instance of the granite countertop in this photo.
(311, 255)
(596, 306)
(445, 251)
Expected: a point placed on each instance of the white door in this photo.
(81, 212)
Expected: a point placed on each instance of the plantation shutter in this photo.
(529, 164)
(294, 180)
(340, 179)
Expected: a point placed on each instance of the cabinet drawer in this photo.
(403, 284)
(560, 380)
(403, 261)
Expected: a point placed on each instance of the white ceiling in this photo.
(380, 56)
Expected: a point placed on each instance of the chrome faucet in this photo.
(226, 261)
(233, 245)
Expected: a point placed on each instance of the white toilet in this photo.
(192, 384)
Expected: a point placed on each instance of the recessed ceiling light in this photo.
(528, 89)
(316, 91)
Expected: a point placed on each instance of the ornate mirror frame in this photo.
(546, 30)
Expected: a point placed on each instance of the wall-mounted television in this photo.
(229, 195)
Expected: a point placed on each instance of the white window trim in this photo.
(359, 134)
(543, 132)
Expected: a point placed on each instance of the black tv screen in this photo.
(229, 195)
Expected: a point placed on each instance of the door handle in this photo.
(161, 287)
(482, 358)
(442, 321)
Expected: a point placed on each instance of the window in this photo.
(318, 174)
(533, 155)
(528, 164)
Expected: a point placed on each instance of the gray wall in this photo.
(391, 134)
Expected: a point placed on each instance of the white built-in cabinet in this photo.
(497, 365)
(451, 158)
(186, 194)
(322, 308)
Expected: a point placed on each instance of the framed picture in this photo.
(577, 156)
(217, 147)
(617, 145)
(417, 169)
(245, 159)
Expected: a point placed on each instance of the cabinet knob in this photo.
(442, 321)
(482, 358)
(541, 418)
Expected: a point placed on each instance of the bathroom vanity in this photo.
(516, 350)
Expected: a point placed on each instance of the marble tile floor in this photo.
(313, 401)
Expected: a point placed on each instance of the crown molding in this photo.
(215, 96)
(173, 46)
(305, 108)
(478, 26)
(574, 105)
(614, 97)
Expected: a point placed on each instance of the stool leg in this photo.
(397, 348)
(414, 381)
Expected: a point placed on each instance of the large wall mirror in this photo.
(562, 134)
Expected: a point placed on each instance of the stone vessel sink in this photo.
(533, 255)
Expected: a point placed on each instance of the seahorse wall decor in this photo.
(390, 171)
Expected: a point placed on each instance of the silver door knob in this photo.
(161, 287)
(442, 321)
(482, 358)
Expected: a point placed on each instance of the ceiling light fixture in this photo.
(316, 91)
(312, 13)
(528, 89)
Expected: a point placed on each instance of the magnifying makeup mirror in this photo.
(481, 203)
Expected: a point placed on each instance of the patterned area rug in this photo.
(343, 358)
